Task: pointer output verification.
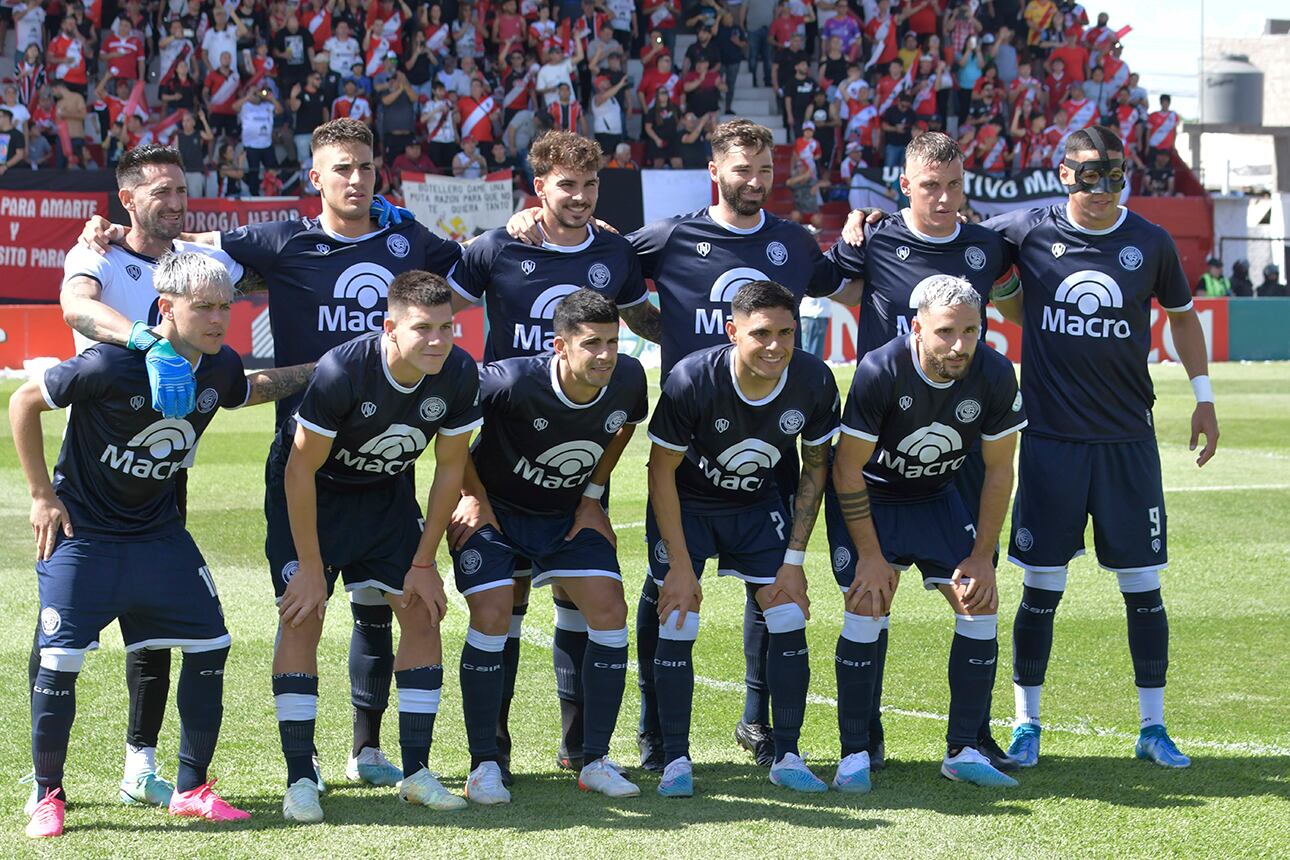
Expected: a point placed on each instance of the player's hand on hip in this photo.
(424, 583)
(48, 518)
(306, 595)
(523, 225)
(1204, 420)
(974, 583)
(853, 230)
(680, 593)
(790, 582)
(171, 379)
(472, 514)
(874, 584)
(590, 515)
(99, 233)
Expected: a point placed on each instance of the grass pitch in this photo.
(1228, 704)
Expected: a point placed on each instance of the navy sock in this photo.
(419, 691)
(53, 708)
(33, 659)
(295, 698)
(646, 646)
(971, 675)
(201, 710)
(604, 678)
(788, 672)
(481, 693)
(756, 640)
(1032, 635)
(568, 648)
(371, 667)
(510, 670)
(674, 685)
(875, 712)
(1148, 637)
(856, 665)
(147, 681)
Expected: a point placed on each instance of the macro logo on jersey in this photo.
(923, 452)
(904, 324)
(358, 290)
(737, 466)
(713, 320)
(154, 452)
(1088, 292)
(533, 338)
(207, 400)
(562, 466)
(390, 453)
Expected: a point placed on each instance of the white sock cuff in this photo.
(1135, 583)
(570, 619)
(886, 622)
(785, 618)
(368, 596)
(484, 641)
(689, 629)
(1046, 580)
(517, 622)
(981, 627)
(295, 706)
(417, 701)
(861, 628)
(73, 662)
(609, 638)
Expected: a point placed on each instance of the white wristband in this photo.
(795, 556)
(594, 491)
(1203, 390)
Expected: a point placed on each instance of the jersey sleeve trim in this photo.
(1179, 310)
(859, 434)
(246, 399)
(825, 438)
(314, 428)
(671, 446)
(44, 392)
(459, 289)
(644, 297)
(990, 437)
(465, 428)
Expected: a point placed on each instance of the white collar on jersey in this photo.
(918, 365)
(779, 386)
(938, 240)
(568, 249)
(389, 377)
(742, 231)
(346, 239)
(1124, 213)
(559, 392)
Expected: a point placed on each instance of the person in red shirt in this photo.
(1129, 116)
(1073, 54)
(221, 93)
(888, 84)
(1057, 83)
(661, 15)
(566, 114)
(66, 57)
(924, 16)
(1081, 111)
(660, 76)
(412, 159)
(123, 52)
(880, 34)
(1162, 127)
(477, 111)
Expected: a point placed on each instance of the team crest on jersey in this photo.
(660, 552)
(841, 558)
(470, 561)
(368, 409)
(50, 620)
(1016, 403)
(433, 408)
(540, 424)
(615, 421)
(1130, 258)
(398, 245)
(967, 411)
(1025, 540)
(137, 401)
(975, 258)
(599, 275)
(207, 400)
(902, 253)
(906, 402)
(703, 248)
(289, 570)
(721, 424)
(527, 266)
(134, 271)
(792, 421)
(322, 249)
(777, 253)
(1059, 248)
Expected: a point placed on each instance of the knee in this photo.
(490, 611)
(610, 615)
(304, 635)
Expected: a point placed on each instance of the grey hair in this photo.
(186, 273)
(945, 291)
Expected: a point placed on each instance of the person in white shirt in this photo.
(21, 116)
(557, 70)
(29, 25)
(219, 39)
(256, 111)
(343, 49)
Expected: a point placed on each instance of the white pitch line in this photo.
(1227, 488)
(542, 640)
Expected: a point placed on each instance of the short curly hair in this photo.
(742, 133)
(564, 149)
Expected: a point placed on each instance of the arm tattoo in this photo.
(251, 282)
(810, 489)
(88, 326)
(855, 506)
(644, 319)
(269, 385)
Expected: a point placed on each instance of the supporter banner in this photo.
(216, 213)
(988, 195)
(33, 331)
(459, 208)
(670, 192)
(37, 228)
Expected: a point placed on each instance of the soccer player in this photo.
(337, 503)
(110, 543)
(555, 426)
(725, 419)
(917, 406)
(522, 285)
(1088, 272)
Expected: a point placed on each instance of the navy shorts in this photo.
(367, 537)
(489, 557)
(159, 589)
(933, 535)
(749, 543)
(1061, 484)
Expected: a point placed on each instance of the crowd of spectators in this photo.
(462, 87)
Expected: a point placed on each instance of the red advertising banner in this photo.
(37, 228)
(216, 213)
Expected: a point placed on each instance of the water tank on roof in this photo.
(1231, 92)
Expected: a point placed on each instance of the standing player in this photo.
(337, 504)
(917, 406)
(1089, 271)
(726, 417)
(554, 428)
(110, 543)
(522, 285)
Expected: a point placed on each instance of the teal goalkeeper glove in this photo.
(170, 376)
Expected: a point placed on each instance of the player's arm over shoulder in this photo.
(266, 386)
(254, 246)
(1015, 224)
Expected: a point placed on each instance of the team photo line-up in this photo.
(749, 438)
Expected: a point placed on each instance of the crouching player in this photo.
(554, 428)
(917, 406)
(726, 418)
(340, 502)
(109, 540)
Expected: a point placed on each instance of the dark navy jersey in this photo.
(378, 427)
(1087, 329)
(923, 430)
(323, 288)
(896, 259)
(538, 448)
(698, 264)
(522, 284)
(115, 469)
(732, 445)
